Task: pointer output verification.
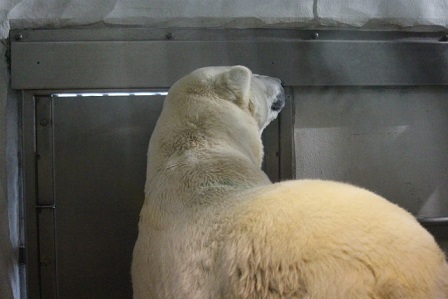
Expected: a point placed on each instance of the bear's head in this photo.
(261, 96)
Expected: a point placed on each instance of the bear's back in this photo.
(330, 240)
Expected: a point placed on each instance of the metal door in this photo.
(94, 152)
(90, 175)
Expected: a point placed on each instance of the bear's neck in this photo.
(198, 154)
(201, 125)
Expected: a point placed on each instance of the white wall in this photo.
(404, 14)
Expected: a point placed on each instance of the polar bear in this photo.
(214, 226)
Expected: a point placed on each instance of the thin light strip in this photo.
(109, 94)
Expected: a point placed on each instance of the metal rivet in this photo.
(315, 35)
(170, 35)
(43, 123)
(46, 261)
(18, 37)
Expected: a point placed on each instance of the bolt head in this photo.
(18, 37)
(170, 36)
(315, 35)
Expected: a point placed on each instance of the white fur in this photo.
(213, 226)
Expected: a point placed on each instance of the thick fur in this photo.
(213, 226)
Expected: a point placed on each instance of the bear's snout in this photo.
(279, 101)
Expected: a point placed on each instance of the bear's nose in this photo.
(279, 102)
(277, 105)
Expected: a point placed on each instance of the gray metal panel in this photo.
(393, 141)
(286, 135)
(30, 191)
(139, 64)
(44, 143)
(100, 146)
(271, 145)
(47, 257)
(215, 34)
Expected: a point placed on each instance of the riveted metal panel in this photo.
(216, 34)
(140, 64)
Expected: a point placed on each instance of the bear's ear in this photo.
(236, 81)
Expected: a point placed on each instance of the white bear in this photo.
(214, 226)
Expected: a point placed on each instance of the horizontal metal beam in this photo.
(154, 64)
(434, 221)
(217, 34)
